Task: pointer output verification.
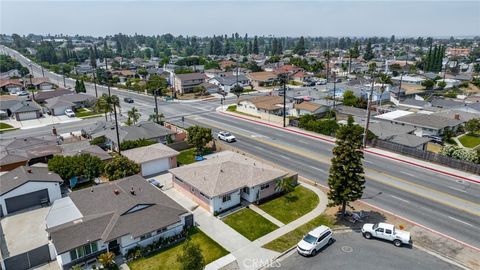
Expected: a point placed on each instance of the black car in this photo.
(128, 100)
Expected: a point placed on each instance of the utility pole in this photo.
(31, 84)
(95, 82)
(43, 73)
(108, 79)
(284, 80)
(156, 106)
(334, 88)
(368, 112)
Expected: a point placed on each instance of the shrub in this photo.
(100, 141)
(456, 152)
(125, 145)
(119, 167)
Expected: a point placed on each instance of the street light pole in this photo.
(95, 81)
(334, 88)
(284, 82)
(108, 79)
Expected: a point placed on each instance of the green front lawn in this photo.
(249, 224)
(470, 140)
(186, 156)
(166, 259)
(288, 240)
(291, 206)
(5, 125)
(87, 113)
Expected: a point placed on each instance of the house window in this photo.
(262, 187)
(83, 251)
(161, 230)
(246, 190)
(226, 198)
(145, 236)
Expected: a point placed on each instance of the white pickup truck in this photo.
(388, 232)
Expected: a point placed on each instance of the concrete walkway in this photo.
(266, 215)
(249, 254)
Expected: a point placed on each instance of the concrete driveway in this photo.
(351, 251)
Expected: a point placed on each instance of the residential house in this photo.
(226, 64)
(450, 83)
(210, 87)
(124, 74)
(343, 112)
(115, 217)
(25, 110)
(226, 83)
(186, 83)
(40, 83)
(27, 151)
(301, 76)
(408, 79)
(27, 187)
(262, 78)
(144, 130)
(210, 73)
(410, 140)
(380, 92)
(153, 159)
(260, 105)
(469, 107)
(309, 108)
(427, 124)
(58, 105)
(222, 180)
(11, 85)
(84, 147)
(9, 74)
(40, 97)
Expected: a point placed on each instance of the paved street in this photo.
(443, 203)
(351, 251)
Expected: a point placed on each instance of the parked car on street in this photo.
(315, 240)
(69, 113)
(22, 93)
(226, 136)
(387, 232)
(128, 100)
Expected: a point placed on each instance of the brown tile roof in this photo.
(8, 82)
(37, 81)
(262, 76)
(308, 106)
(265, 102)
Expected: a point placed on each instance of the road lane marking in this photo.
(409, 174)
(371, 175)
(457, 189)
(316, 168)
(285, 157)
(400, 199)
(461, 221)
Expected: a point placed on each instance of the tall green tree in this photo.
(120, 167)
(255, 45)
(300, 47)
(346, 178)
(199, 137)
(191, 257)
(368, 52)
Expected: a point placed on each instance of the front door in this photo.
(114, 247)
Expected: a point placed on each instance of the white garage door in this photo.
(60, 110)
(27, 115)
(156, 166)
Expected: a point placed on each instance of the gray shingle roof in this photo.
(414, 102)
(408, 140)
(41, 96)
(106, 214)
(230, 80)
(190, 76)
(21, 175)
(226, 172)
(428, 120)
(25, 106)
(143, 130)
(149, 153)
(385, 129)
(84, 147)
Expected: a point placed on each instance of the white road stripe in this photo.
(457, 189)
(461, 221)
(316, 168)
(400, 199)
(285, 157)
(409, 174)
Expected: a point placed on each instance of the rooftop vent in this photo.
(132, 191)
(116, 191)
(29, 170)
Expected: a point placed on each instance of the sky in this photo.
(264, 17)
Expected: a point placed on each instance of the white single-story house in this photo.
(26, 187)
(222, 180)
(153, 159)
(117, 217)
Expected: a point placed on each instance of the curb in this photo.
(365, 150)
(442, 257)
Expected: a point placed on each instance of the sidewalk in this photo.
(42, 122)
(370, 150)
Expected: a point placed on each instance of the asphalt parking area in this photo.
(351, 251)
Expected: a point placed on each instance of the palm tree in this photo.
(153, 117)
(107, 259)
(101, 105)
(285, 185)
(384, 79)
(134, 115)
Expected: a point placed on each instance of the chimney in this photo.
(457, 116)
(29, 170)
(132, 191)
(116, 191)
(54, 131)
